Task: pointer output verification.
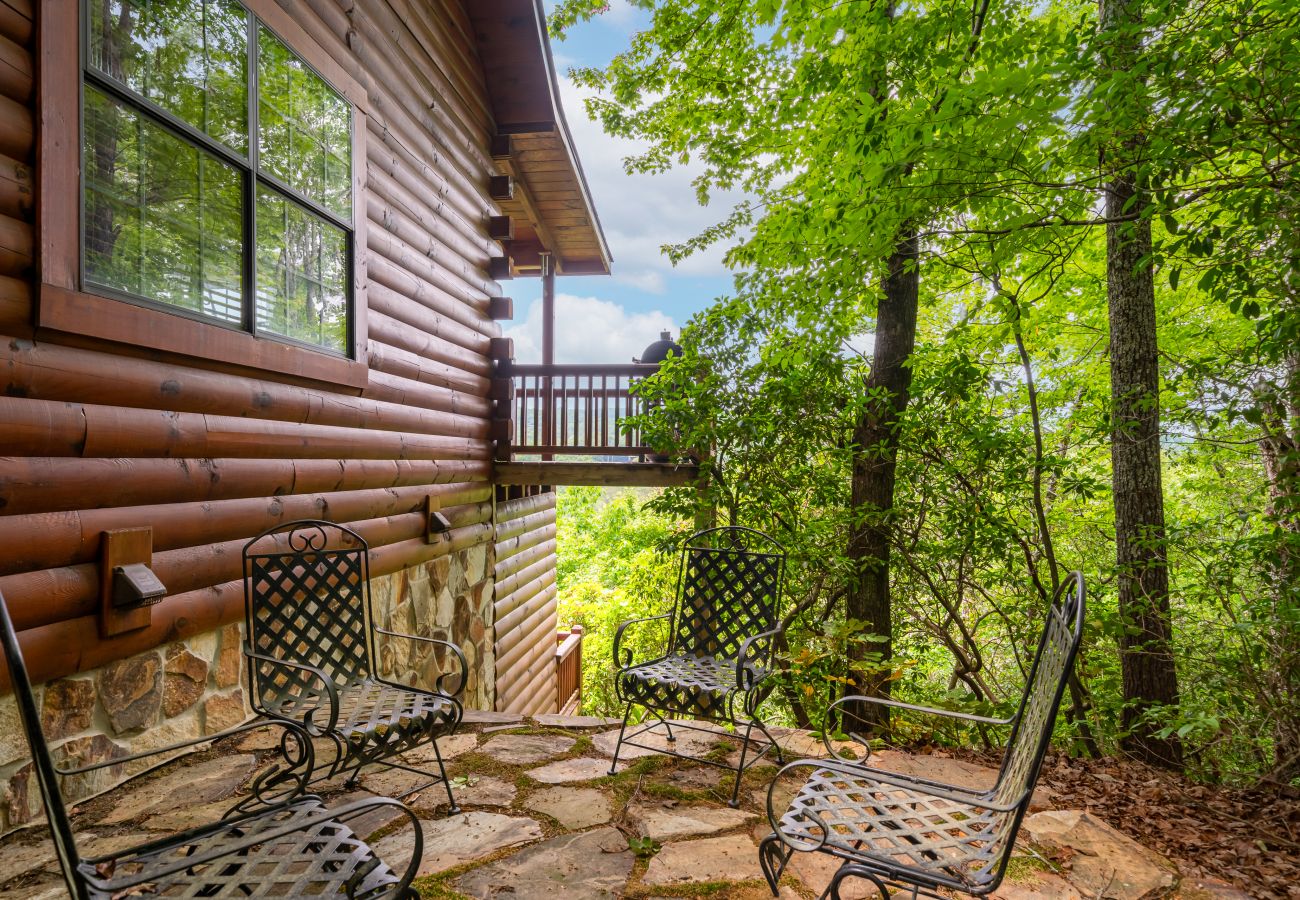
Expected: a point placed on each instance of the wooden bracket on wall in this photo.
(500, 308)
(435, 523)
(123, 551)
(501, 228)
(501, 187)
(501, 349)
(500, 268)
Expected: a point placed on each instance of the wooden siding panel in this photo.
(95, 436)
(525, 604)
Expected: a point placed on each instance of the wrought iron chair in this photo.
(911, 834)
(722, 632)
(277, 841)
(312, 652)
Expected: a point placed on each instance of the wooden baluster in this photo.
(604, 412)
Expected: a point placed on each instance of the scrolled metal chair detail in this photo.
(722, 632)
(277, 841)
(312, 649)
(904, 833)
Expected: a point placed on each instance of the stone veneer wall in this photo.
(449, 598)
(196, 687)
(150, 700)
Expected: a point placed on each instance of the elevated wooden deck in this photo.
(575, 411)
(603, 474)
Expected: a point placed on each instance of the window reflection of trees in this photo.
(164, 217)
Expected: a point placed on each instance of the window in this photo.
(216, 172)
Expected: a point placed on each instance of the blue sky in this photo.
(611, 319)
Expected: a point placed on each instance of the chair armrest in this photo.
(744, 671)
(360, 807)
(898, 704)
(841, 767)
(236, 847)
(460, 657)
(618, 637)
(302, 756)
(330, 693)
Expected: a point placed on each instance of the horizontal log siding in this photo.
(95, 437)
(525, 605)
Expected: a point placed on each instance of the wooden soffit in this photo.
(548, 201)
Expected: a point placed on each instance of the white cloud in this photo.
(647, 280)
(589, 330)
(640, 213)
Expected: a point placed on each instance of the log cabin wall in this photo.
(97, 435)
(525, 604)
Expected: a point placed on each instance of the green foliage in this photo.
(991, 131)
(615, 563)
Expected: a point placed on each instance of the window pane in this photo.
(304, 128)
(188, 56)
(301, 273)
(163, 219)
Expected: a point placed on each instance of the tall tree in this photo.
(875, 464)
(1150, 679)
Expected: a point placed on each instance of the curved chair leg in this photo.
(740, 767)
(452, 807)
(780, 755)
(853, 870)
(613, 766)
(773, 855)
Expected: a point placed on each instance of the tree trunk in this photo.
(875, 458)
(1280, 448)
(1146, 655)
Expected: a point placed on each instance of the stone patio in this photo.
(541, 818)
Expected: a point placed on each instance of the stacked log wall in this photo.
(97, 436)
(525, 608)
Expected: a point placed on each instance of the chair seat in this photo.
(369, 708)
(898, 828)
(324, 859)
(683, 682)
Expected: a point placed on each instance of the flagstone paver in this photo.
(459, 839)
(554, 720)
(522, 749)
(702, 841)
(484, 717)
(586, 866)
(583, 768)
(670, 823)
(689, 742)
(574, 808)
(450, 747)
(732, 857)
(1103, 861)
(483, 790)
(202, 782)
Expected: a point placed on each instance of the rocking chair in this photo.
(278, 841)
(311, 649)
(722, 633)
(910, 834)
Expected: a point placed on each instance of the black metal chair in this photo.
(277, 841)
(312, 652)
(911, 834)
(722, 632)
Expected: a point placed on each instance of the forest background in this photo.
(1016, 294)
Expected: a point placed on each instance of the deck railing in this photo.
(569, 409)
(568, 671)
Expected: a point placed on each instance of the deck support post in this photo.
(548, 350)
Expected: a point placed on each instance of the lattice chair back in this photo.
(1032, 732)
(56, 812)
(307, 598)
(729, 589)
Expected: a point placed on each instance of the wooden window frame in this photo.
(67, 312)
